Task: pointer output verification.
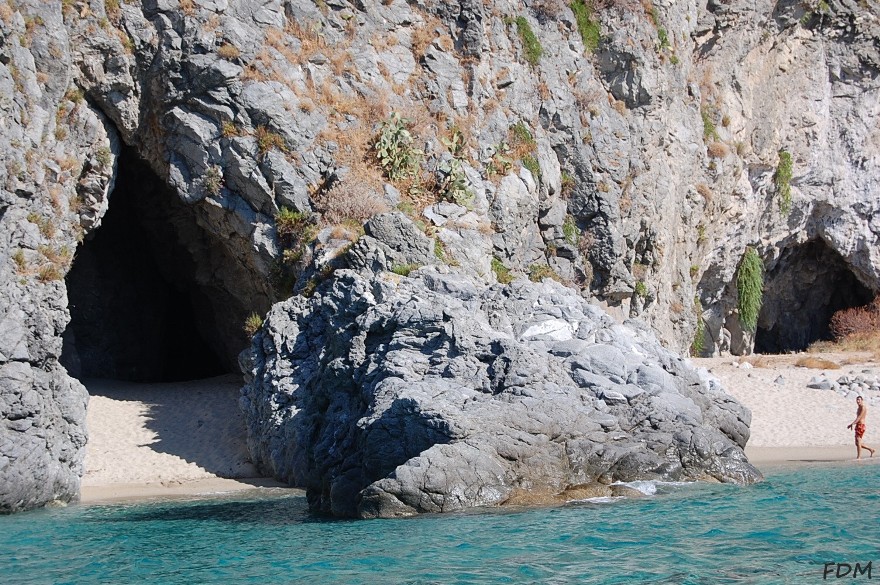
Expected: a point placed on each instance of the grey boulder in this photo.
(386, 396)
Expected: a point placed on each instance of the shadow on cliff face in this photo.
(144, 299)
(802, 289)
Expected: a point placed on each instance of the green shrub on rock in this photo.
(252, 324)
(394, 149)
(502, 272)
(750, 289)
(698, 343)
(782, 179)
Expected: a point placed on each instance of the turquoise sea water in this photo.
(781, 531)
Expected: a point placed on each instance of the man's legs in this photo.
(859, 447)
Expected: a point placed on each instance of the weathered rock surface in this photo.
(648, 168)
(389, 396)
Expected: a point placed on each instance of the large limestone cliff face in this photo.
(214, 114)
(783, 77)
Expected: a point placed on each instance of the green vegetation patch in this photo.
(641, 289)
(267, 140)
(588, 27)
(698, 343)
(252, 324)
(296, 231)
(395, 149)
(663, 36)
(782, 179)
(570, 230)
(404, 269)
(531, 45)
(538, 272)
(502, 272)
(750, 289)
(531, 163)
(709, 130)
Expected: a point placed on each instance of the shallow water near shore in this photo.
(781, 531)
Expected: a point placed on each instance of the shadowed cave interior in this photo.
(802, 290)
(144, 303)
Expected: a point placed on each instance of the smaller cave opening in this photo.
(802, 290)
(137, 311)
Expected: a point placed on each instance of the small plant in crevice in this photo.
(452, 183)
(588, 27)
(228, 52)
(455, 143)
(523, 146)
(395, 150)
(404, 269)
(296, 231)
(104, 157)
(47, 227)
(532, 48)
(442, 254)
(782, 180)
(502, 272)
(709, 130)
(566, 185)
(267, 140)
(538, 272)
(499, 161)
(20, 261)
(252, 324)
(570, 230)
(533, 166)
(663, 37)
(350, 200)
(213, 180)
(698, 343)
(641, 289)
(521, 135)
(49, 273)
(229, 129)
(750, 289)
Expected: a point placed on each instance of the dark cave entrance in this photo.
(141, 308)
(802, 289)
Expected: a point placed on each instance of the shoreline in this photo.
(125, 493)
(764, 458)
(797, 456)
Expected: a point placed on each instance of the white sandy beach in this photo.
(185, 438)
(790, 422)
(188, 438)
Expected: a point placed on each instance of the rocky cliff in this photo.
(630, 150)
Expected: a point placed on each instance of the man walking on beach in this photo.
(859, 424)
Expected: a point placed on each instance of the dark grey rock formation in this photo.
(389, 396)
